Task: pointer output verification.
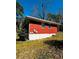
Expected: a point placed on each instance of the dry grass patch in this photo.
(46, 48)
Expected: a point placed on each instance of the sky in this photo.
(53, 6)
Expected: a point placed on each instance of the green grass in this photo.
(39, 49)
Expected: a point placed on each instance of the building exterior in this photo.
(39, 28)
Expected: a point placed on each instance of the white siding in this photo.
(39, 36)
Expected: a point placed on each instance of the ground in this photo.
(47, 48)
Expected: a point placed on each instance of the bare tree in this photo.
(35, 12)
(43, 12)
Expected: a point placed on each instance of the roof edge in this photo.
(51, 22)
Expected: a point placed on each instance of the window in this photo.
(49, 26)
(43, 25)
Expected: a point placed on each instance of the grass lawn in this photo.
(47, 48)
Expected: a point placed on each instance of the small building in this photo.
(40, 28)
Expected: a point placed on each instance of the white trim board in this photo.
(39, 36)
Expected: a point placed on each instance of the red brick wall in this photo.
(39, 29)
